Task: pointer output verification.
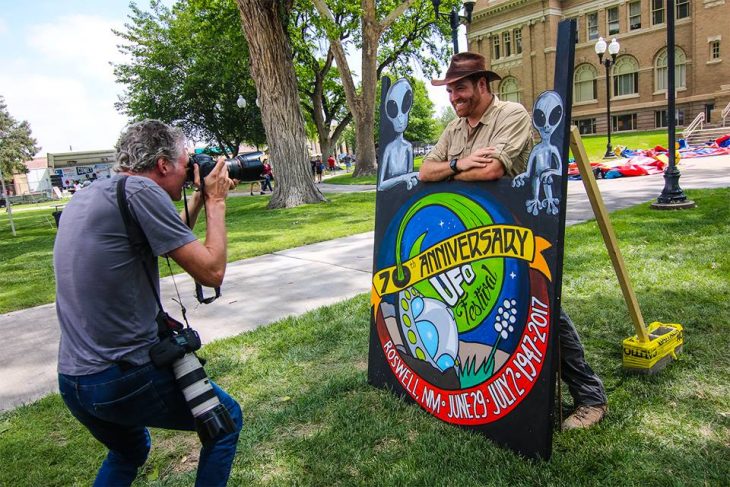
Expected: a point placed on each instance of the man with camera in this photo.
(111, 317)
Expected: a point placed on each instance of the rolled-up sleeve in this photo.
(510, 138)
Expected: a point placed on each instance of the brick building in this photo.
(518, 38)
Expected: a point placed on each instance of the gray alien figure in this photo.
(397, 164)
(545, 160)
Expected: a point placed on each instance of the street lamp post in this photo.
(455, 20)
(672, 196)
(613, 49)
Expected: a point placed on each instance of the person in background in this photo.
(268, 176)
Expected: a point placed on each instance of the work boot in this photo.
(585, 417)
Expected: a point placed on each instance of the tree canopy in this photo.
(187, 66)
(16, 143)
(393, 35)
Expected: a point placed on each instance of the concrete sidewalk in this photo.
(264, 289)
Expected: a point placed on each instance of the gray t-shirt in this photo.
(105, 305)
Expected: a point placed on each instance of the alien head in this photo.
(398, 103)
(547, 113)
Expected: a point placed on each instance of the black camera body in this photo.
(174, 346)
(206, 164)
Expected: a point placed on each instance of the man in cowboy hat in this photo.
(490, 139)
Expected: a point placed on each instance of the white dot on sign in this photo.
(500, 310)
(505, 315)
(512, 319)
(511, 329)
(518, 375)
(498, 326)
(514, 303)
(441, 224)
(506, 303)
(512, 275)
(514, 311)
(505, 334)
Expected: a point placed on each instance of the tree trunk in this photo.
(273, 72)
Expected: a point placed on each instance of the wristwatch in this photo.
(453, 165)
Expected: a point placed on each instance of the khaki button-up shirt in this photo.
(505, 125)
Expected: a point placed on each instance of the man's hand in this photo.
(481, 165)
(217, 183)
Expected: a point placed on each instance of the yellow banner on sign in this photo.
(470, 245)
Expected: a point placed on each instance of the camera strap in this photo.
(199, 287)
(140, 246)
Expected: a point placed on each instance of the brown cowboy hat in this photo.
(465, 64)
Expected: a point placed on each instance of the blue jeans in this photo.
(117, 405)
(266, 183)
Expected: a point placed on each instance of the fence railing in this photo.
(725, 114)
(696, 124)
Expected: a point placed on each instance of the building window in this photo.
(661, 70)
(657, 12)
(661, 120)
(586, 126)
(509, 89)
(682, 9)
(518, 41)
(495, 47)
(592, 25)
(584, 83)
(612, 20)
(625, 76)
(624, 122)
(507, 40)
(634, 15)
(715, 50)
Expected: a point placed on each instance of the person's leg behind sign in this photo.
(584, 385)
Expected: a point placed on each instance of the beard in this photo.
(465, 106)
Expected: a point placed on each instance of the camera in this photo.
(176, 347)
(206, 164)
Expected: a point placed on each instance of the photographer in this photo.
(107, 306)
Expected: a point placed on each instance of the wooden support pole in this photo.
(609, 236)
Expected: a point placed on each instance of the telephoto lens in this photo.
(212, 419)
(206, 164)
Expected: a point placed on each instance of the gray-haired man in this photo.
(106, 307)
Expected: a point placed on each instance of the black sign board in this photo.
(466, 279)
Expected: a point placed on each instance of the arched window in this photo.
(509, 89)
(625, 76)
(661, 70)
(584, 83)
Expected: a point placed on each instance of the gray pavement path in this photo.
(264, 289)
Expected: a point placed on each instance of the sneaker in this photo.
(263, 192)
(585, 417)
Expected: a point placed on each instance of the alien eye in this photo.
(556, 115)
(392, 109)
(538, 118)
(407, 102)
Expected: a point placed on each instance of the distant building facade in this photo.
(519, 37)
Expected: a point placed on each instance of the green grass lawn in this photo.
(373, 179)
(26, 260)
(596, 144)
(312, 419)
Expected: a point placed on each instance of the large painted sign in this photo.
(466, 284)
